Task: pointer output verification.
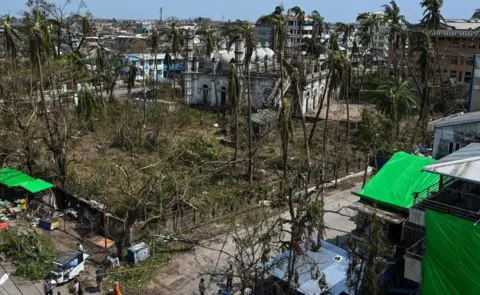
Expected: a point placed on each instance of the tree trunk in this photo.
(284, 144)
(155, 89)
(349, 73)
(250, 152)
(317, 115)
(236, 131)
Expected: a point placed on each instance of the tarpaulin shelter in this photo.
(451, 263)
(14, 178)
(397, 181)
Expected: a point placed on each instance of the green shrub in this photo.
(31, 253)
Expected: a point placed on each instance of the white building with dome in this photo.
(206, 78)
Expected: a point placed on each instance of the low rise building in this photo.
(444, 260)
(454, 132)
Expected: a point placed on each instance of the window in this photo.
(470, 61)
(380, 37)
(468, 77)
(450, 147)
(457, 146)
(454, 60)
(462, 60)
(471, 45)
(380, 44)
(455, 43)
(453, 74)
(464, 45)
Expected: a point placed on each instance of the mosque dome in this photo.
(270, 53)
(260, 52)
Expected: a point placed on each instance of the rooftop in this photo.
(463, 24)
(461, 118)
(329, 260)
(463, 164)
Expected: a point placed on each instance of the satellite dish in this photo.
(4, 278)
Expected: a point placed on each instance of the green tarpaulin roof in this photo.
(451, 264)
(398, 179)
(14, 178)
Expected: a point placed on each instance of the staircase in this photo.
(275, 98)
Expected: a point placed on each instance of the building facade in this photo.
(458, 41)
(454, 133)
(145, 64)
(206, 79)
(380, 36)
(142, 28)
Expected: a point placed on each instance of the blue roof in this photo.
(330, 260)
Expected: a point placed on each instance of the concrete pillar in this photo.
(188, 68)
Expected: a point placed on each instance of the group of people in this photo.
(228, 274)
(77, 286)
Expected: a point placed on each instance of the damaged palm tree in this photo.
(234, 96)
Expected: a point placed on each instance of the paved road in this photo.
(185, 271)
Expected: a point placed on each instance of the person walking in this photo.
(201, 287)
(99, 280)
(116, 289)
(77, 288)
(80, 247)
(47, 287)
(229, 277)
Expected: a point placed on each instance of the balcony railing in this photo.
(431, 191)
(417, 250)
(448, 209)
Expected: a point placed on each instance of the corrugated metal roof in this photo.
(330, 260)
(265, 116)
(463, 164)
(470, 151)
(460, 119)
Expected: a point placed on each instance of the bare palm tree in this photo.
(155, 43)
(245, 31)
(233, 97)
(395, 22)
(369, 25)
(432, 18)
(279, 20)
(11, 36)
(299, 15)
(176, 40)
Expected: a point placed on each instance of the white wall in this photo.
(460, 135)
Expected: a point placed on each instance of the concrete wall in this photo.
(451, 138)
(413, 269)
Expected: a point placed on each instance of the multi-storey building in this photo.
(297, 33)
(458, 41)
(266, 32)
(380, 36)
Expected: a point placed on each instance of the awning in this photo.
(14, 178)
(369, 209)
